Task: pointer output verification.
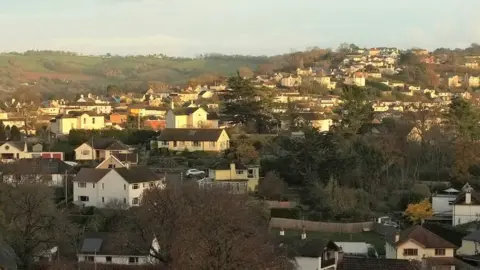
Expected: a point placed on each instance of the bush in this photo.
(293, 213)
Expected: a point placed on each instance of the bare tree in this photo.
(272, 186)
(207, 229)
(30, 221)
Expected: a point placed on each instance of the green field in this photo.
(35, 65)
(369, 237)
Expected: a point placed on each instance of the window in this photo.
(108, 259)
(213, 144)
(250, 173)
(239, 171)
(103, 186)
(103, 199)
(93, 120)
(89, 258)
(439, 252)
(135, 201)
(151, 184)
(93, 185)
(135, 186)
(181, 144)
(84, 121)
(174, 144)
(111, 166)
(124, 186)
(410, 252)
(124, 200)
(132, 259)
(82, 185)
(196, 143)
(85, 152)
(83, 198)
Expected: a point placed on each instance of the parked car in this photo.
(194, 172)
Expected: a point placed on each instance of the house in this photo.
(236, 172)
(291, 81)
(117, 160)
(373, 52)
(442, 203)
(470, 247)
(155, 124)
(357, 79)
(101, 148)
(62, 124)
(52, 172)
(471, 64)
(416, 243)
(473, 81)
(118, 118)
(466, 207)
(312, 119)
(194, 139)
(356, 248)
(326, 82)
(116, 249)
(99, 187)
(310, 253)
(454, 81)
(12, 150)
(189, 117)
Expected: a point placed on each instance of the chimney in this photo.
(282, 232)
(340, 255)
(172, 106)
(468, 196)
(397, 237)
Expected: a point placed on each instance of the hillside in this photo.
(25, 67)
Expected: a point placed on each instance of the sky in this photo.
(255, 27)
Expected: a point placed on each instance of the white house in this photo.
(442, 202)
(98, 187)
(466, 207)
(117, 248)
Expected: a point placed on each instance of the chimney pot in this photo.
(397, 237)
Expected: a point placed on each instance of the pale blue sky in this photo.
(192, 27)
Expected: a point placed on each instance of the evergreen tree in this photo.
(3, 135)
(15, 134)
(356, 109)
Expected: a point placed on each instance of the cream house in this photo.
(474, 81)
(98, 187)
(236, 172)
(62, 124)
(470, 244)
(102, 148)
(357, 79)
(194, 139)
(186, 117)
(291, 81)
(416, 243)
(13, 150)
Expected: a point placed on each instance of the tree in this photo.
(3, 135)
(463, 119)
(30, 221)
(113, 89)
(243, 152)
(207, 229)
(272, 186)
(15, 134)
(247, 105)
(417, 212)
(245, 72)
(356, 109)
(266, 69)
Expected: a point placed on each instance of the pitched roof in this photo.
(114, 244)
(423, 237)
(137, 174)
(355, 263)
(311, 248)
(451, 235)
(461, 198)
(90, 175)
(474, 236)
(212, 116)
(190, 134)
(107, 144)
(20, 145)
(36, 166)
(185, 110)
(130, 157)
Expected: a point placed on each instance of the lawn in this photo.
(369, 237)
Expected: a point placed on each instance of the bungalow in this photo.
(101, 148)
(191, 139)
(99, 187)
(52, 172)
(116, 248)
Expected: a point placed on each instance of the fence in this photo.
(295, 224)
(278, 204)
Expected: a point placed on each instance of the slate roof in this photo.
(107, 144)
(225, 165)
(354, 263)
(423, 237)
(137, 174)
(190, 134)
(116, 244)
(311, 248)
(36, 166)
(451, 235)
(185, 110)
(130, 157)
(474, 236)
(461, 198)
